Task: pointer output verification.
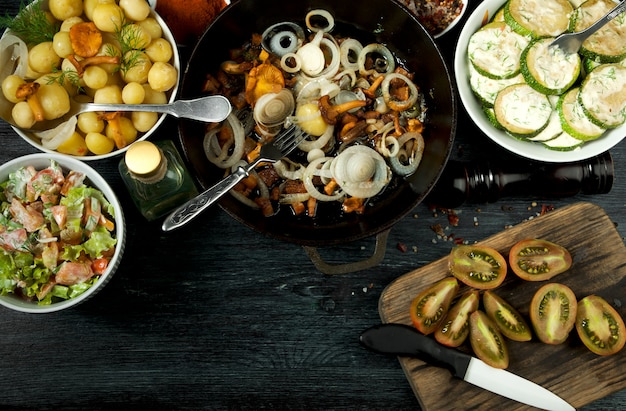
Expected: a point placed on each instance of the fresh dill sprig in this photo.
(65, 76)
(31, 24)
(132, 46)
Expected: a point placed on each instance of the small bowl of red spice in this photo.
(437, 16)
(189, 19)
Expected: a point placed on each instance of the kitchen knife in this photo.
(406, 341)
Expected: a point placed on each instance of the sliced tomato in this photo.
(99, 265)
(454, 329)
(538, 260)
(477, 266)
(553, 312)
(508, 320)
(430, 306)
(599, 326)
(487, 342)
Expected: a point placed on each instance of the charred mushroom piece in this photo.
(86, 39)
(232, 67)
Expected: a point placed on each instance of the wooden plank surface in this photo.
(570, 369)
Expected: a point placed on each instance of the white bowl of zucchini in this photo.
(537, 101)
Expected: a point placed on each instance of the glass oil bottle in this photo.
(156, 177)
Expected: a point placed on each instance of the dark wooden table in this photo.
(215, 316)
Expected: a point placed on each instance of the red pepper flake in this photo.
(546, 209)
(453, 219)
(402, 247)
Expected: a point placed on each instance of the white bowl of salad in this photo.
(560, 118)
(62, 233)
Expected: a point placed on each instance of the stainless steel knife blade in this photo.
(403, 340)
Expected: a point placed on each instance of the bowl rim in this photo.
(96, 180)
(531, 150)
(169, 36)
(455, 21)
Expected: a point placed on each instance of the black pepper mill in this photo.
(488, 181)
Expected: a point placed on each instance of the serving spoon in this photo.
(207, 109)
(571, 42)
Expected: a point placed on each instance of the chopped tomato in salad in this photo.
(56, 234)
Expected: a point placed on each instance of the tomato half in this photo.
(430, 306)
(477, 266)
(487, 342)
(538, 260)
(553, 312)
(454, 329)
(508, 320)
(600, 326)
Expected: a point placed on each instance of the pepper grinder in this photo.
(488, 181)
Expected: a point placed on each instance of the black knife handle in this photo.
(405, 341)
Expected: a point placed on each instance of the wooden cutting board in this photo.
(570, 370)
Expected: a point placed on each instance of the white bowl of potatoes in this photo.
(102, 51)
(566, 132)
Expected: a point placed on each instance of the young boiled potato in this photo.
(98, 143)
(109, 94)
(90, 5)
(67, 24)
(153, 96)
(135, 9)
(152, 27)
(162, 76)
(62, 45)
(140, 68)
(42, 58)
(160, 50)
(90, 123)
(10, 85)
(133, 93)
(54, 100)
(108, 17)
(64, 9)
(143, 120)
(95, 77)
(23, 115)
(135, 36)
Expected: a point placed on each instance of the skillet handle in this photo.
(334, 269)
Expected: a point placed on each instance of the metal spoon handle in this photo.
(196, 205)
(209, 109)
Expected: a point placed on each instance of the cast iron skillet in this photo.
(382, 21)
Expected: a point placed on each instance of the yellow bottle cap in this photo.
(143, 158)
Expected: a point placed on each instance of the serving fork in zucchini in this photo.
(608, 44)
